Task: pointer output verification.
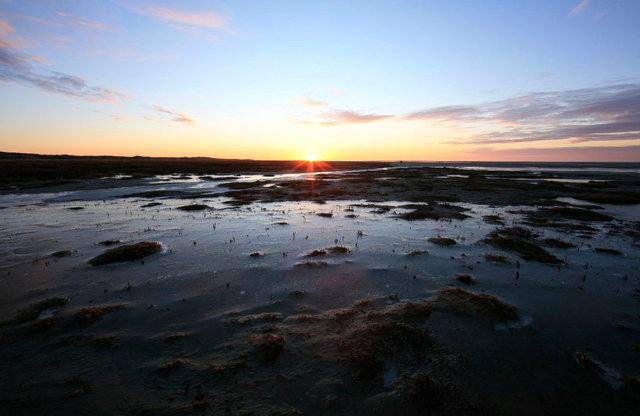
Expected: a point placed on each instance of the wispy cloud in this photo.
(200, 25)
(70, 19)
(5, 28)
(343, 117)
(8, 37)
(306, 101)
(579, 8)
(128, 54)
(609, 113)
(336, 91)
(26, 70)
(197, 33)
(62, 19)
(173, 116)
(202, 19)
(449, 113)
(120, 117)
(559, 154)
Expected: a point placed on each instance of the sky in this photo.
(540, 80)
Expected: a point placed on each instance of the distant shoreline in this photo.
(24, 167)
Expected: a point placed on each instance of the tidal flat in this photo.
(364, 289)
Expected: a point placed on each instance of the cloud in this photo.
(8, 38)
(5, 28)
(308, 102)
(127, 54)
(580, 7)
(61, 19)
(27, 70)
(120, 117)
(560, 154)
(610, 113)
(336, 91)
(445, 113)
(19, 69)
(200, 19)
(199, 25)
(342, 117)
(177, 117)
(69, 19)
(197, 33)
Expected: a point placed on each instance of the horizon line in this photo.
(323, 160)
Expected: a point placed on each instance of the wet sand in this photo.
(391, 290)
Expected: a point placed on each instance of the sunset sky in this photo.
(351, 80)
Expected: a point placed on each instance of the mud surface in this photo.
(465, 290)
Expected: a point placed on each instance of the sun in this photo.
(311, 157)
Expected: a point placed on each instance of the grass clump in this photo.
(33, 311)
(611, 197)
(557, 243)
(496, 258)
(269, 345)
(493, 219)
(43, 325)
(173, 336)
(250, 319)
(463, 301)
(577, 214)
(84, 317)
(127, 252)
(315, 253)
(519, 232)
(467, 279)
(525, 249)
(442, 241)
(171, 366)
(366, 346)
(433, 212)
(311, 264)
(338, 250)
(330, 250)
(608, 251)
(194, 207)
(108, 242)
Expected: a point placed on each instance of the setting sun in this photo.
(311, 157)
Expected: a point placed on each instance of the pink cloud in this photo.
(120, 117)
(345, 117)
(175, 116)
(560, 154)
(308, 102)
(580, 7)
(610, 113)
(197, 33)
(70, 19)
(201, 19)
(127, 54)
(5, 28)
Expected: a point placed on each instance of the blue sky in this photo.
(418, 80)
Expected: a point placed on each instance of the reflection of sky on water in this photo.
(35, 225)
(629, 212)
